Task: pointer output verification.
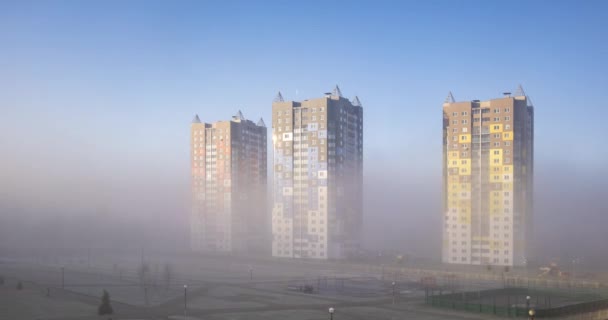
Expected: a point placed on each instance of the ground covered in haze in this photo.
(217, 288)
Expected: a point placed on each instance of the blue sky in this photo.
(104, 92)
(151, 65)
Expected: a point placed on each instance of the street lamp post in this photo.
(393, 285)
(526, 269)
(185, 301)
(527, 302)
(573, 275)
(331, 313)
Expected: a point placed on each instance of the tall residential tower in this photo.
(318, 163)
(488, 155)
(228, 167)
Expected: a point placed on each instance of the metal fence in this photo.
(516, 302)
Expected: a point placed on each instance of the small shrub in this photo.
(105, 307)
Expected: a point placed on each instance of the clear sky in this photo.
(103, 92)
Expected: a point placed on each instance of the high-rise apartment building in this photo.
(488, 155)
(228, 167)
(318, 163)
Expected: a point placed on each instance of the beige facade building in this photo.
(488, 155)
(318, 164)
(228, 167)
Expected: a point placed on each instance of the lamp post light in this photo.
(331, 313)
(185, 301)
(528, 302)
(531, 313)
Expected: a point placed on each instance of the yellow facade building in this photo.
(488, 155)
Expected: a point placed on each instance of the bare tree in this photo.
(155, 275)
(168, 275)
(142, 273)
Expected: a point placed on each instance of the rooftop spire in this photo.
(278, 98)
(521, 93)
(450, 98)
(356, 102)
(196, 119)
(337, 91)
(239, 115)
(261, 123)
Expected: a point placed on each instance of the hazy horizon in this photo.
(96, 101)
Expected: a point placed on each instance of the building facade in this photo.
(318, 164)
(228, 167)
(488, 156)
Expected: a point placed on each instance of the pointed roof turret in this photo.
(239, 115)
(450, 98)
(336, 91)
(356, 102)
(196, 119)
(261, 123)
(278, 98)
